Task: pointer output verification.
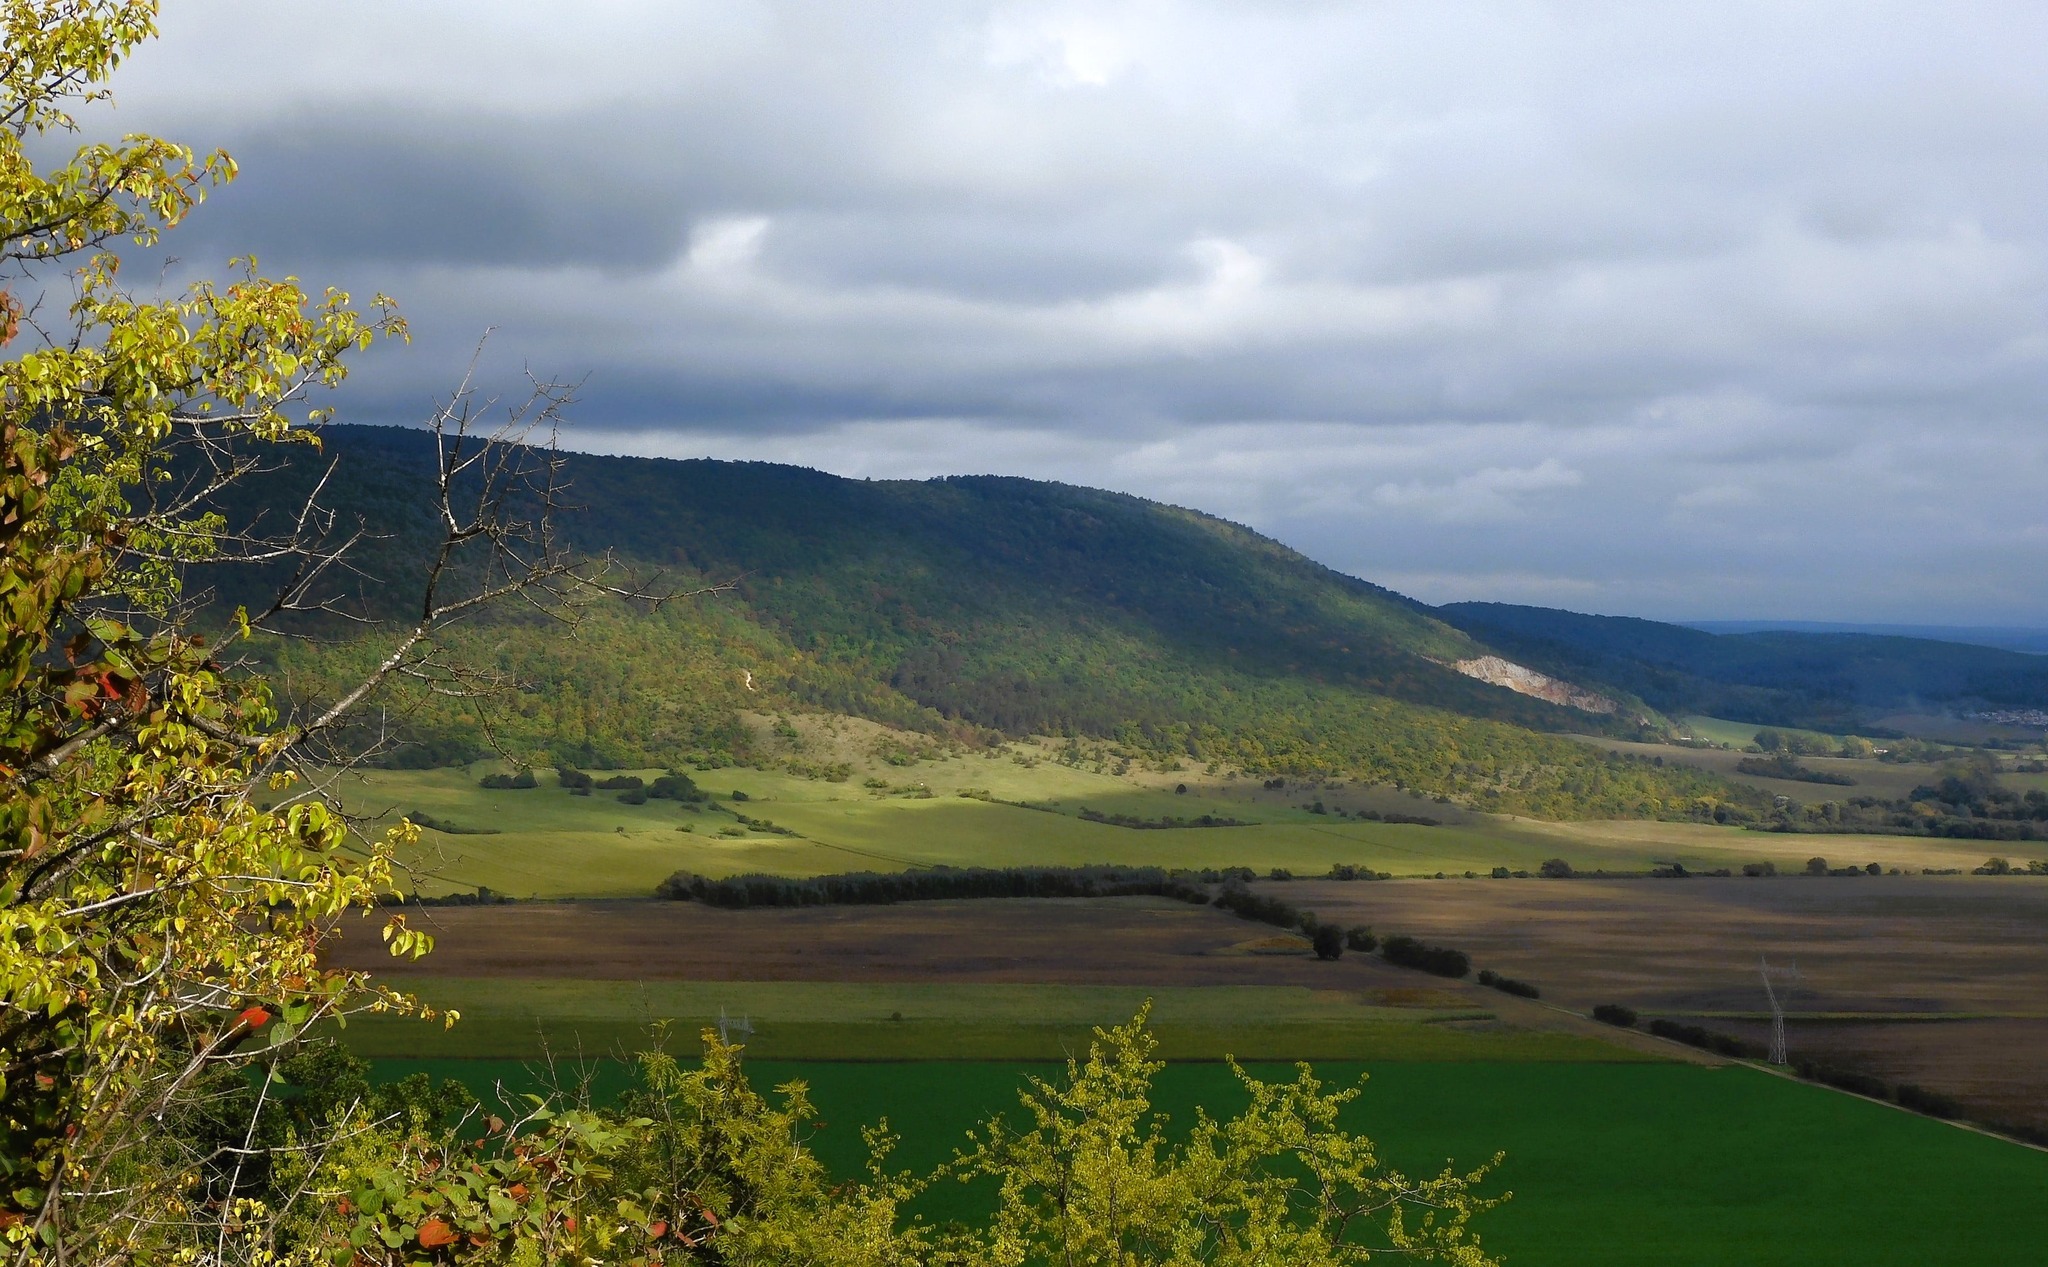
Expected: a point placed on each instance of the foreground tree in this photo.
(166, 876)
(1094, 1178)
(153, 917)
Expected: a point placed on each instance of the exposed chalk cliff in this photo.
(1527, 681)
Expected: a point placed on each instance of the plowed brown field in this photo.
(1939, 980)
(1935, 980)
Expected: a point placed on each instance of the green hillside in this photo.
(958, 611)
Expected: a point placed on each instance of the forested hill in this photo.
(1014, 604)
(970, 607)
(1827, 681)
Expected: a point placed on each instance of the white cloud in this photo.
(1075, 46)
(1493, 493)
(725, 248)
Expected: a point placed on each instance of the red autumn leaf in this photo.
(569, 1223)
(254, 1017)
(658, 1228)
(433, 1234)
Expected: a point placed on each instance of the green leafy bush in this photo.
(1411, 953)
(1508, 985)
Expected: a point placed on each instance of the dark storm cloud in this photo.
(442, 189)
(1689, 310)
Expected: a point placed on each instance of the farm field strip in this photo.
(543, 842)
(1927, 980)
(527, 1038)
(866, 1021)
(1879, 957)
(1893, 1018)
(872, 1001)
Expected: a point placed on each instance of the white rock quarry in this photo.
(1524, 680)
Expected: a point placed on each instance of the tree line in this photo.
(882, 888)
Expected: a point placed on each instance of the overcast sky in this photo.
(1686, 311)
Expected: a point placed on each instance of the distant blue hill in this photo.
(1827, 677)
(2004, 637)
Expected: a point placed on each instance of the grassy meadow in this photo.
(1610, 1164)
(545, 842)
(523, 1019)
(1739, 734)
(1883, 779)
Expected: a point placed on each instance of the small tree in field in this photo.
(1328, 940)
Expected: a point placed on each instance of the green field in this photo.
(1884, 779)
(799, 1020)
(1615, 1157)
(2028, 782)
(1614, 1164)
(544, 842)
(1740, 734)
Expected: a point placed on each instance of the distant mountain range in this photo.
(1837, 681)
(967, 608)
(2005, 637)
